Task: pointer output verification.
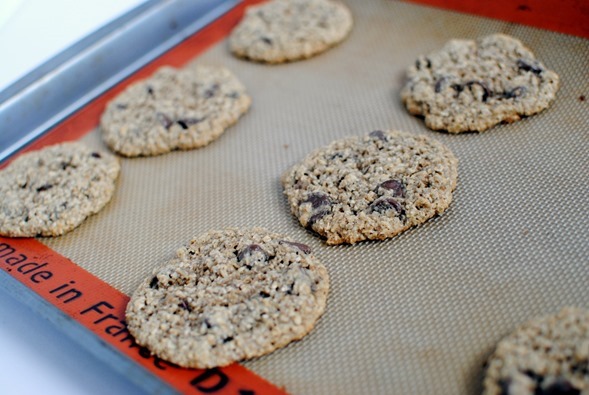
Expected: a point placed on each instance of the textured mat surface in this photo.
(416, 314)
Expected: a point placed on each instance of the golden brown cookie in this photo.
(474, 85)
(371, 187)
(229, 295)
(51, 191)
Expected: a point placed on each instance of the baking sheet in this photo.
(418, 313)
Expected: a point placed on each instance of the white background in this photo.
(32, 31)
(35, 357)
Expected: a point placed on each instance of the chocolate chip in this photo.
(150, 90)
(419, 62)
(582, 98)
(45, 187)
(227, 339)
(396, 186)
(534, 376)
(486, 90)
(267, 40)
(318, 199)
(251, 250)
(233, 95)
(378, 134)
(320, 204)
(439, 84)
(121, 106)
(164, 120)
(264, 294)
(211, 91)
(316, 217)
(582, 368)
(515, 92)
(532, 66)
(187, 122)
(458, 88)
(303, 247)
(184, 304)
(337, 155)
(504, 387)
(290, 290)
(384, 204)
(154, 283)
(96, 155)
(560, 387)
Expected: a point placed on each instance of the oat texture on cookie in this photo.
(287, 30)
(371, 187)
(228, 296)
(51, 191)
(474, 85)
(174, 110)
(545, 356)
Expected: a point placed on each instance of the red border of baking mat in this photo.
(92, 302)
(565, 16)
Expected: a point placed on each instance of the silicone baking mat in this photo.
(421, 312)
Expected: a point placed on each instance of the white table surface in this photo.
(32, 31)
(35, 357)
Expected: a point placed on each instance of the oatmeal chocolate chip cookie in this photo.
(227, 296)
(371, 187)
(174, 109)
(286, 30)
(51, 191)
(546, 356)
(472, 86)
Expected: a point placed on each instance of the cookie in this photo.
(474, 85)
(286, 30)
(227, 296)
(51, 191)
(173, 110)
(546, 356)
(371, 187)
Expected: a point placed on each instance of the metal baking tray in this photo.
(65, 83)
(419, 313)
